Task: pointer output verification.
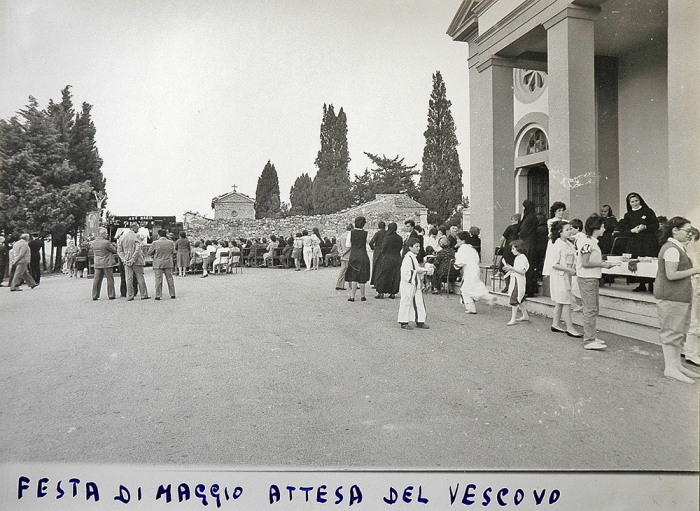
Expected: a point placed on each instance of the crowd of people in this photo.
(570, 254)
(303, 249)
(573, 254)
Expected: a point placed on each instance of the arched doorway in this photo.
(531, 172)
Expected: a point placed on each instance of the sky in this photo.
(192, 97)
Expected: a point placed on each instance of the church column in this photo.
(573, 176)
(684, 110)
(492, 150)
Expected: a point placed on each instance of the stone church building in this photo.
(581, 101)
(233, 205)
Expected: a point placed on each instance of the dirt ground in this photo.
(275, 368)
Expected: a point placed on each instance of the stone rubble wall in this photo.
(199, 227)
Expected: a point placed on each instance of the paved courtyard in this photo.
(274, 368)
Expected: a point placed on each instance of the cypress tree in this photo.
(331, 189)
(267, 193)
(301, 195)
(441, 178)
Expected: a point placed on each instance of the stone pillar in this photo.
(573, 173)
(492, 150)
(684, 110)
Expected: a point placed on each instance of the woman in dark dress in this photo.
(375, 244)
(388, 277)
(358, 264)
(641, 227)
(540, 250)
(527, 232)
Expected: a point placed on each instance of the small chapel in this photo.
(233, 205)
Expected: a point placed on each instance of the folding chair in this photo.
(494, 270)
(197, 264)
(445, 279)
(234, 262)
(220, 262)
(619, 246)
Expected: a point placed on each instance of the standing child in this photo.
(562, 256)
(589, 264)
(297, 251)
(412, 305)
(517, 285)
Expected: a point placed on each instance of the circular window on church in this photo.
(529, 84)
(234, 213)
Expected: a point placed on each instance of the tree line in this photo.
(50, 170)
(440, 182)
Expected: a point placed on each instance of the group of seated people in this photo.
(221, 256)
(440, 250)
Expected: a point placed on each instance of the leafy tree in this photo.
(389, 175)
(284, 210)
(43, 184)
(441, 178)
(331, 190)
(363, 188)
(267, 194)
(301, 195)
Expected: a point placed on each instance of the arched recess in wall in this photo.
(531, 147)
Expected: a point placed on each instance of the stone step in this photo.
(621, 312)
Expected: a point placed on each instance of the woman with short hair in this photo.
(358, 270)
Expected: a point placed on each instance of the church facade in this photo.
(583, 102)
(233, 205)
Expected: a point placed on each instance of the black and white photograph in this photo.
(309, 254)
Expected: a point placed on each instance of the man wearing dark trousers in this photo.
(162, 251)
(35, 246)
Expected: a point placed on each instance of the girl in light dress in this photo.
(517, 283)
(316, 253)
(563, 257)
(308, 250)
(556, 214)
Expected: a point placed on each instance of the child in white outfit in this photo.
(412, 306)
(516, 289)
(473, 289)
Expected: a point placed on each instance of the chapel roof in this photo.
(232, 195)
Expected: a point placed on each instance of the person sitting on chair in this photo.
(443, 267)
(270, 250)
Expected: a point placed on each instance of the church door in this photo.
(538, 188)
